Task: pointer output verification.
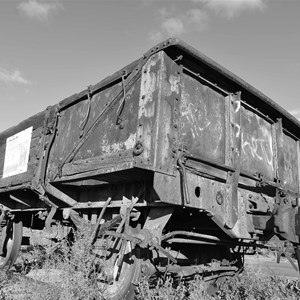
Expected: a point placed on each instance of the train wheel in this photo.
(122, 272)
(10, 239)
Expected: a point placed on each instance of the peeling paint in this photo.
(195, 117)
(115, 147)
(202, 120)
(174, 83)
(148, 86)
(238, 106)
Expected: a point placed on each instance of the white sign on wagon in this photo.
(17, 153)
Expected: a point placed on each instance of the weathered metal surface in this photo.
(209, 162)
(234, 155)
(167, 116)
(158, 113)
(168, 188)
(148, 107)
(256, 145)
(291, 170)
(171, 110)
(202, 120)
(93, 165)
(278, 150)
(116, 133)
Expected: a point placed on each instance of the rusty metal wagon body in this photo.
(190, 162)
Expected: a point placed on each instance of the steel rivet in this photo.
(219, 198)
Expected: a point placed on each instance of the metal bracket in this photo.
(85, 120)
(122, 104)
(182, 170)
(50, 219)
(279, 151)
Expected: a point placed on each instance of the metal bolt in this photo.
(219, 198)
(282, 194)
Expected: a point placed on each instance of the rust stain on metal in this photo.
(115, 147)
(173, 134)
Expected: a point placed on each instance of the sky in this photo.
(52, 49)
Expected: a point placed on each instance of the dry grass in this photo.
(250, 285)
(71, 273)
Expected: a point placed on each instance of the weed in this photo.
(71, 271)
(255, 285)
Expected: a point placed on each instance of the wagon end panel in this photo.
(96, 135)
(20, 151)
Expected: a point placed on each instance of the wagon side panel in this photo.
(203, 120)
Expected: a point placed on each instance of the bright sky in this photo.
(51, 49)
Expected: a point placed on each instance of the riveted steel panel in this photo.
(202, 120)
(116, 132)
(256, 145)
(291, 178)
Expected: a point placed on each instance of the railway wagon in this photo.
(174, 164)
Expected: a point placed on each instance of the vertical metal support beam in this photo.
(176, 95)
(167, 126)
(279, 152)
(234, 160)
(227, 130)
(298, 169)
